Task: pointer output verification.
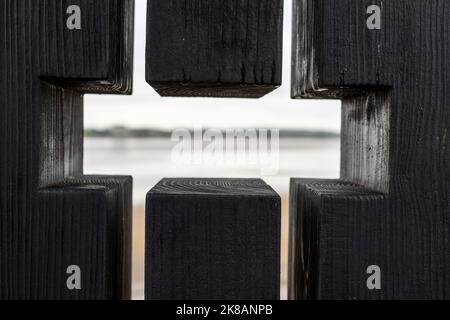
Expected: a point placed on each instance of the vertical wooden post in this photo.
(214, 48)
(51, 216)
(382, 230)
(211, 239)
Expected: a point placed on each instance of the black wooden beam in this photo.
(337, 230)
(51, 215)
(212, 239)
(214, 48)
(391, 206)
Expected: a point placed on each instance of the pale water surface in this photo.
(149, 160)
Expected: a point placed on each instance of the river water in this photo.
(149, 160)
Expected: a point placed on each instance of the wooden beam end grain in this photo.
(213, 239)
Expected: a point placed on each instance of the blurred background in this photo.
(132, 136)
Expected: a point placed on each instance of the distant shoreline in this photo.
(123, 132)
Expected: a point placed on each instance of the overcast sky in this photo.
(145, 109)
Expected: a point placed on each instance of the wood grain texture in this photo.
(395, 124)
(212, 239)
(51, 216)
(214, 48)
(336, 231)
